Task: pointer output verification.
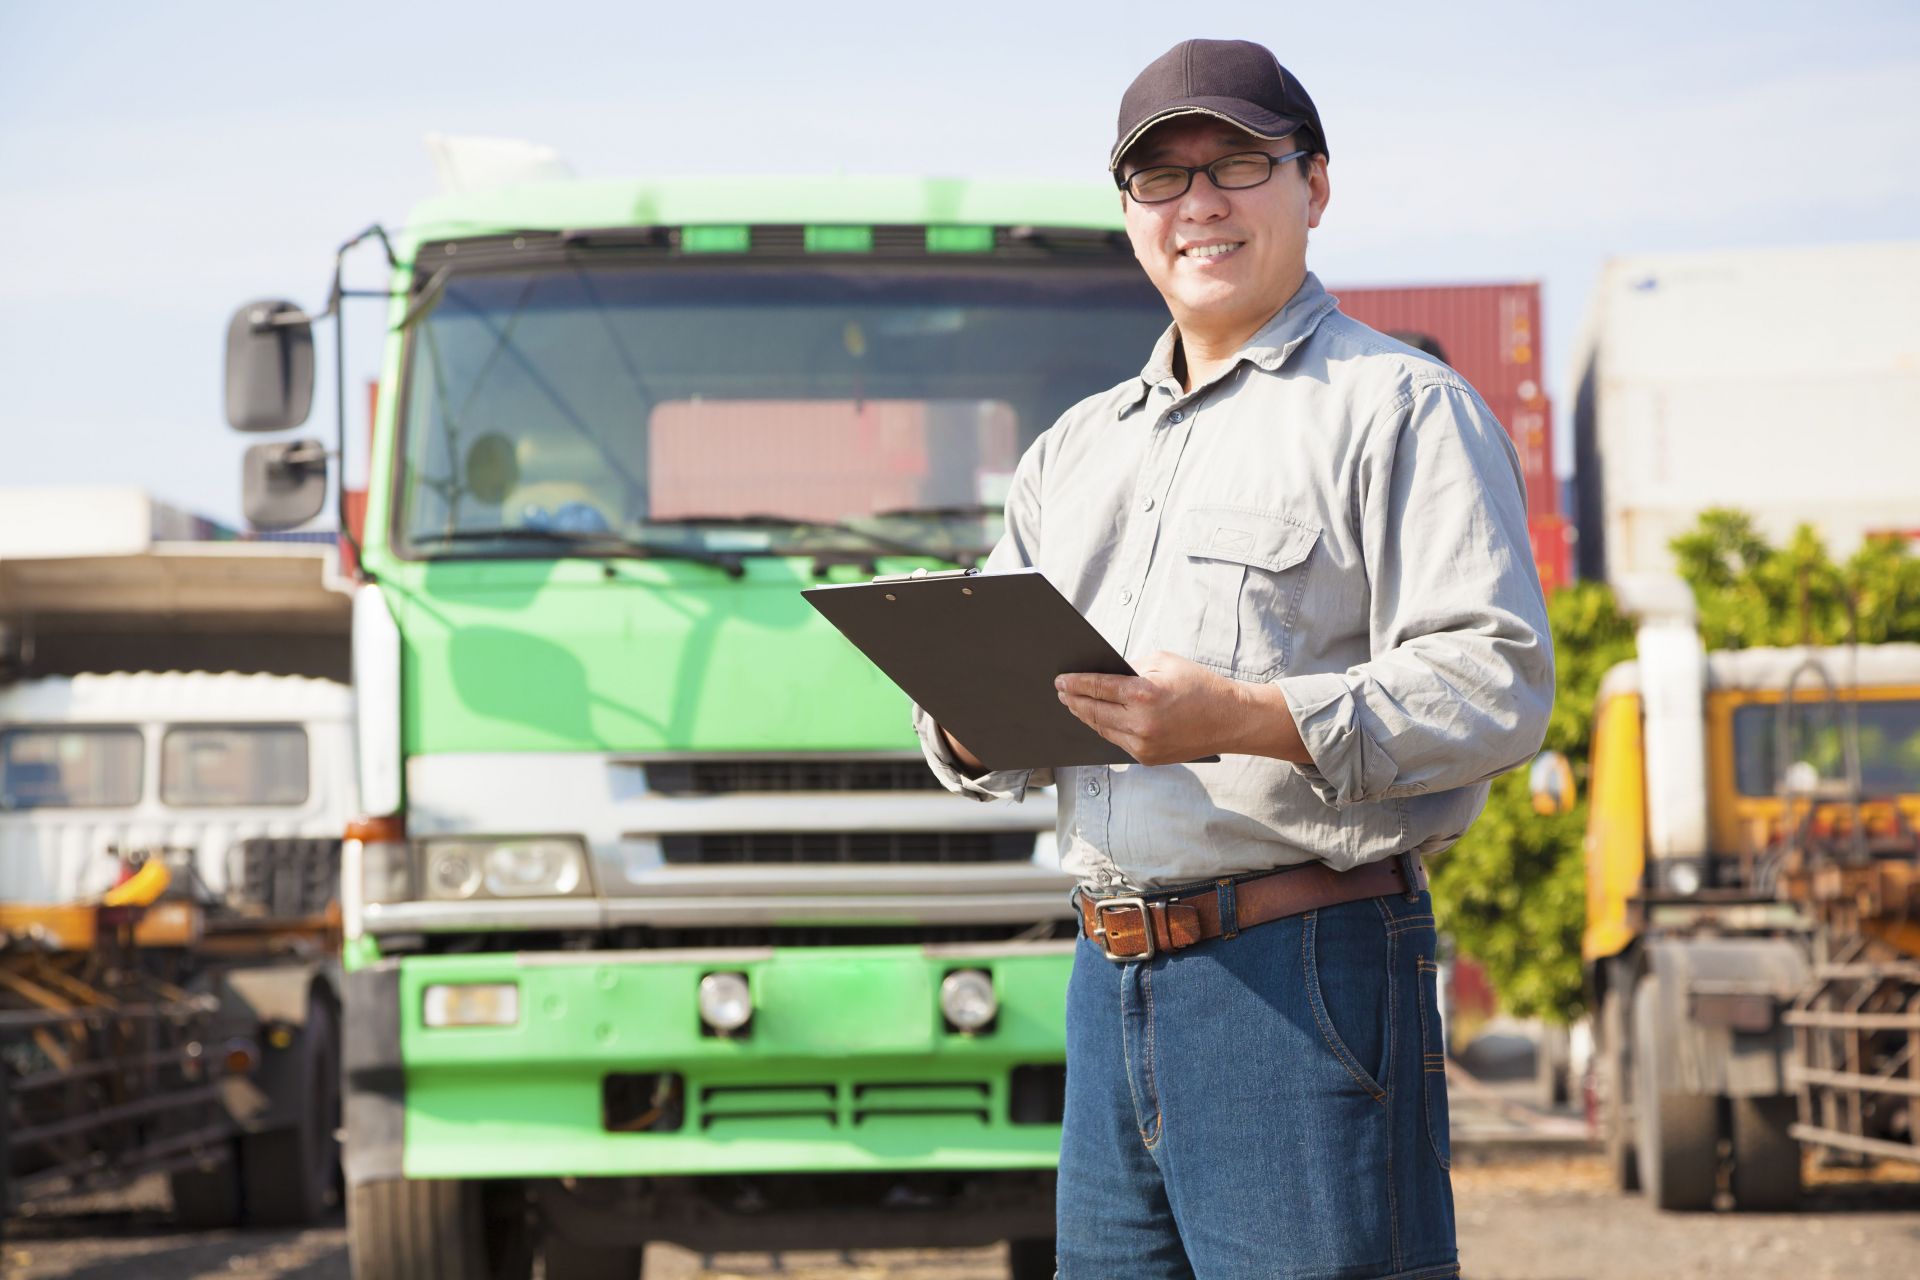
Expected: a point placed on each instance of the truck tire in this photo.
(287, 1177)
(568, 1260)
(1551, 1071)
(206, 1199)
(1031, 1260)
(1613, 1070)
(408, 1229)
(1678, 1133)
(1766, 1158)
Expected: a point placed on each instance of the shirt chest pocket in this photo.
(1244, 575)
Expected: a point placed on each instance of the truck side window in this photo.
(233, 766)
(68, 768)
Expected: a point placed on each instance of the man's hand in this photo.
(1176, 710)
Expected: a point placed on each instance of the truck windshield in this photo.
(748, 409)
(1889, 731)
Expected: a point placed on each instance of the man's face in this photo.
(1223, 260)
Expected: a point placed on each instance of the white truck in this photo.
(175, 771)
(1783, 382)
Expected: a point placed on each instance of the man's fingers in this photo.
(1105, 717)
(1100, 688)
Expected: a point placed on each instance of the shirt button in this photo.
(1175, 416)
(1126, 596)
(1093, 786)
(1146, 504)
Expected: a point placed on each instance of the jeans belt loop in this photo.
(1229, 916)
(1410, 872)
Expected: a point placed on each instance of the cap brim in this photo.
(1238, 112)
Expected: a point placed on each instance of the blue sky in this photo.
(161, 163)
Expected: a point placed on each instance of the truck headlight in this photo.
(726, 1002)
(534, 867)
(1683, 877)
(967, 999)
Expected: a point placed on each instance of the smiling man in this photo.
(1311, 543)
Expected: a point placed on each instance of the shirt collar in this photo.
(1269, 348)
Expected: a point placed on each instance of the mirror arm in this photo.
(334, 297)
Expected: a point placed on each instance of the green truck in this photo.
(657, 927)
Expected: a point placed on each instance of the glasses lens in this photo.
(1150, 185)
(1246, 170)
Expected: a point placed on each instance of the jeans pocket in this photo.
(1433, 1064)
(1347, 963)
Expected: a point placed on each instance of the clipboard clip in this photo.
(918, 574)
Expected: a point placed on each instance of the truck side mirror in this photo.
(269, 367)
(284, 484)
(1551, 782)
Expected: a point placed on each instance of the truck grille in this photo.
(746, 1107)
(733, 777)
(848, 847)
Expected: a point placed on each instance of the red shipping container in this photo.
(1490, 334)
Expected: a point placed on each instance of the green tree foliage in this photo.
(1513, 891)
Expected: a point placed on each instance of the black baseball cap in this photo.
(1236, 80)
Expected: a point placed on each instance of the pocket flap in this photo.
(1262, 539)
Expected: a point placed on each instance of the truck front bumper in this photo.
(847, 1065)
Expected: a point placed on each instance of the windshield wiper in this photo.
(589, 543)
(962, 511)
(758, 520)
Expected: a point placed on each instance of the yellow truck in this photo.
(1752, 945)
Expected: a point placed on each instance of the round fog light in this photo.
(725, 1002)
(967, 999)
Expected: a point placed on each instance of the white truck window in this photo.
(68, 768)
(233, 766)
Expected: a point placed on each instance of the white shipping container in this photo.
(1783, 382)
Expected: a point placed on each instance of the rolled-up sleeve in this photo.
(1017, 549)
(1460, 681)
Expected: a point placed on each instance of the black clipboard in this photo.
(979, 651)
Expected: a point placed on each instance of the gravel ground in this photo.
(1538, 1218)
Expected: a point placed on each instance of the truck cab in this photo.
(215, 773)
(657, 927)
(1751, 864)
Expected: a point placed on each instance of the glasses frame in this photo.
(1273, 162)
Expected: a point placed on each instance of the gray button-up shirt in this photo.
(1336, 514)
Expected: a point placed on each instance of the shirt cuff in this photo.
(998, 784)
(1348, 767)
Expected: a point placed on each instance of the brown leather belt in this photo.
(1138, 927)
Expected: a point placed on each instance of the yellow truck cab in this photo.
(1752, 884)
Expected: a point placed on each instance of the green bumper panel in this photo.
(846, 1066)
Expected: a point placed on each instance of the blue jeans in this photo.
(1265, 1106)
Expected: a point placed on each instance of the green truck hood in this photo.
(634, 656)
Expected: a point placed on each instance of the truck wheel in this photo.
(1766, 1158)
(204, 1199)
(287, 1176)
(567, 1260)
(1614, 1075)
(1679, 1133)
(408, 1229)
(1031, 1260)
(1551, 1072)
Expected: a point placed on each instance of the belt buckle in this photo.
(1102, 906)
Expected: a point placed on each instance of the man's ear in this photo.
(1319, 191)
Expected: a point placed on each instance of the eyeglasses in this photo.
(1237, 172)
